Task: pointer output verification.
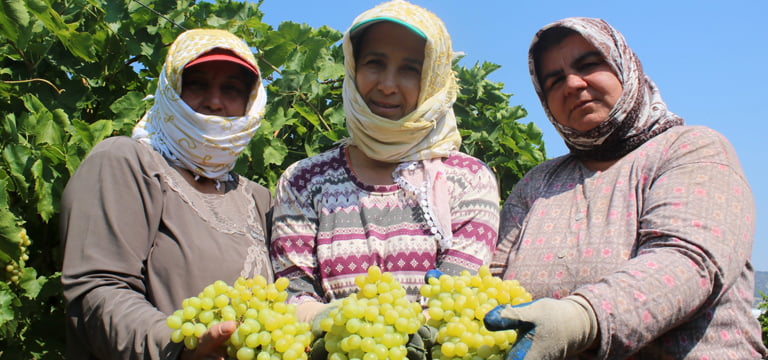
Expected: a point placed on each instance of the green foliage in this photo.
(73, 72)
(490, 130)
(763, 318)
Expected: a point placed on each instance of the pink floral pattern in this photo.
(671, 277)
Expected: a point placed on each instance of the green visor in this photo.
(363, 24)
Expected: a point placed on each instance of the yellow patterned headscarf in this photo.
(207, 145)
(428, 132)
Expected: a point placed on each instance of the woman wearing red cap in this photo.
(151, 220)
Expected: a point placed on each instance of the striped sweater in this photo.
(330, 227)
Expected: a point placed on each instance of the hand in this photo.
(547, 328)
(313, 312)
(306, 311)
(211, 344)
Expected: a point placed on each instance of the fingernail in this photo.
(228, 327)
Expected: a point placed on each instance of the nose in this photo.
(388, 82)
(574, 83)
(213, 101)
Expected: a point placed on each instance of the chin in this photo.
(390, 116)
(585, 124)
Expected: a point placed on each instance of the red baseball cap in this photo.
(219, 54)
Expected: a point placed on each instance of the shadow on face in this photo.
(388, 65)
(220, 88)
(579, 85)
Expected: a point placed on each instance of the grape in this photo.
(177, 336)
(174, 322)
(456, 308)
(374, 323)
(267, 327)
(15, 268)
(245, 353)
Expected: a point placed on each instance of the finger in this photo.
(215, 337)
(522, 346)
(434, 273)
(498, 319)
(494, 320)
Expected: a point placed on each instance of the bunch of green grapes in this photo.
(456, 308)
(14, 268)
(373, 324)
(267, 327)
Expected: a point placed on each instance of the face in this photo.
(216, 88)
(388, 69)
(580, 87)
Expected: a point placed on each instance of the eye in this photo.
(234, 88)
(372, 63)
(193, 85)
(553, 81)
(590, 63)
(412, 69)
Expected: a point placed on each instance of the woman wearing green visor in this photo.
(397, 193)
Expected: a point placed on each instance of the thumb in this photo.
(216, 336)
(522, 346)
(507, 317)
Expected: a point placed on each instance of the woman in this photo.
(151, 220)
(643, 233)
(398, 193)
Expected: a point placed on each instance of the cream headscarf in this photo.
(207, 145)
(420, 139)
(428, 132)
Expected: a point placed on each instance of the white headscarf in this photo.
(207, 145)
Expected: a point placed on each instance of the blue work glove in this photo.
(547, 328)
(434, 273)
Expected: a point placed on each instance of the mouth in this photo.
(384, 105)
(384, 109)
(580, 104)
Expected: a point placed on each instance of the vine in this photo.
(100, 58)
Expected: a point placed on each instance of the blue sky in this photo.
(709, 59)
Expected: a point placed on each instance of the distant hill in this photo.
(761, 284)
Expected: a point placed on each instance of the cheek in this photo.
(236, 107)
(611, 88)
(411, 89)
(555, 107)
(618, 89)
(364, 81)
(191, 99)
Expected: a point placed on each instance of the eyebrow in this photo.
(576, 61)
(414, 61)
